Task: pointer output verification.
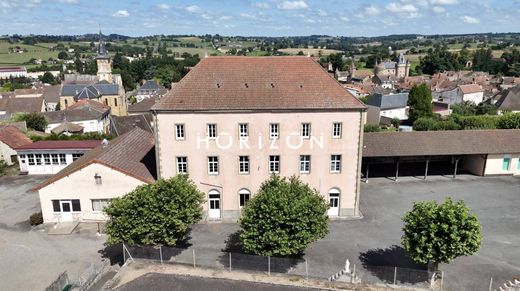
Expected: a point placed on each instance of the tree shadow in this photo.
(116, 254)
(392, 262)
(235, 257)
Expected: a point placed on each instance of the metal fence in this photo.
(229, 261)
(60, 283)
(400, 276)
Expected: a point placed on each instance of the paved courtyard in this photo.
(30, 259)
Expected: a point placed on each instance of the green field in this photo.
(38, 51)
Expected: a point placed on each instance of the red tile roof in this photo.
(257, 83)
(471, 88)
(13, 137)
(60, 145)
(124, 153)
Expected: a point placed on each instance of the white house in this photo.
(472, 92)
(81, 190)
(51, 156)
(91, 115)
(390, 105)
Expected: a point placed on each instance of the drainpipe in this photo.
(157, 148)
(360, 158)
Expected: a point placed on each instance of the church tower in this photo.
(104, 67)
(403, 67)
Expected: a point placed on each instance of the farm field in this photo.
(38, 51)
(315, 52)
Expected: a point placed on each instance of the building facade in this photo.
(251, 118)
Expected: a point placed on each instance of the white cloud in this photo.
(248, 15)
(344, 18)
(193, 9)
(444, 2)
(121, 13)
(164, 6)
(400, 8)
(372, 10)
(69, 1)
(206, 16)
(470, 19)
(292, 5)
(261, 5)
(225, 17)
(439, 9)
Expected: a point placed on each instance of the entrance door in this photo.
(214, 204)
(66, 210)
(333, 202)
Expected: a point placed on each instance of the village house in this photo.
(10, 138)
(150, 89)
(12, 72)
(51, 96)
(399, 69)
(87, 115)
(508, 100)
(80, 191)
(461, 93)
(390, 105)
(280, 106)
(51, 156)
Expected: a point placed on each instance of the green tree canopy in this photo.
(155, 214)
(48, 78)
(439, 233)
(420, 102)
(283, 218)
(34, 121)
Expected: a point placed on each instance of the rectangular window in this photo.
(243, 164)
(64, 205)
(182, 165)
(38, 158)
(274, 164)
(243, 130)
(305, 164)
(212, 130)
(56, 206)
(115, 102)
(179, 132)
(336, 130)
(99, 204)
(76, 206)
(76, 156)
(243, 197)
(335, 163)
(213, 165)
(63, 161)
(47, 159)
(55, 159)
(274, 130)
(506, 163)
(306, 130)
(30, 157)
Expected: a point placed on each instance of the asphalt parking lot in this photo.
(30, 259)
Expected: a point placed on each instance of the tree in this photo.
(34, 120)
(420, 102)
(396, 122)
(63, 55)
(155, 214)
(439, 233)
(283, 218)
(509, 121)
(48, 78)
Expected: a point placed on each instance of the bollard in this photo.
(194, 265)
(160, 253)
(490, 284)
(269, 266)
(230, 262)
(395, 275)
(124, 255)
(306, 270)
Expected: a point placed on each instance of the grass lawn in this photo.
(38, 51)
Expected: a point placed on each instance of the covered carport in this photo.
(424, 153)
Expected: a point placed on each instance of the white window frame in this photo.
(182, 163)
(305, 131)
(339, 129)
(274, 134)
(243, 130)
(71, 205)
(243, 163)
(305, 162)
(76, 156)
(212, 132)
(104, 201)
(180, 132)
(243, 192)
(335, 163)
(274, 164)
(213, 161)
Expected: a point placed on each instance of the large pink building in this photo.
(231, 122)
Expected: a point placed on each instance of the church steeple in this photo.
(104, 67)
(102, 52)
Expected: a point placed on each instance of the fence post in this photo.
(194, 265)
(490, 284)
(124, 255)
(160, 253)
(269, 265)
(395, 275)
(229, 261)
(306, 270)
(442, 279)
(353, 274)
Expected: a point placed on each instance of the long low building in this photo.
(81, 190)
(481, 152)
(51, 156)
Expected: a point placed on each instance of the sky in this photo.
(259, 18)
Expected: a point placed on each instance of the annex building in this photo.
(231, 122)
